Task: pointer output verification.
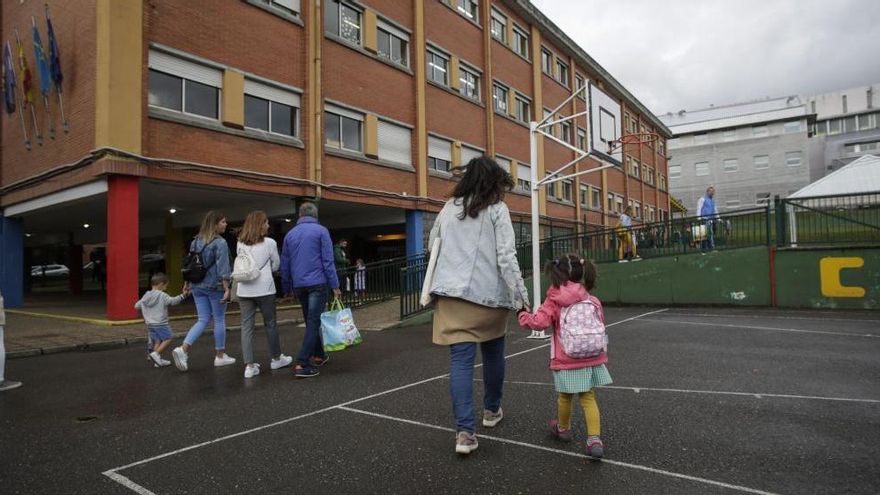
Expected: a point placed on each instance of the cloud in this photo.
(687, 54)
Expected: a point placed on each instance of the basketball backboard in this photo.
(605, 125)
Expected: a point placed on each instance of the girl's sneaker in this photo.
(595, 447)
(465, 443)
(562, 435)
(252, 370)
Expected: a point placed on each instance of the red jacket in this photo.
(548, 315)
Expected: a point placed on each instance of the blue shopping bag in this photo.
(338, 329)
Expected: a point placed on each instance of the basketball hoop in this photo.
(634, 138)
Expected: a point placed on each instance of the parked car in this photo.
(49, 271)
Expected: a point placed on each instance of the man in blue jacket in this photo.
(708, 213)
(308, 271)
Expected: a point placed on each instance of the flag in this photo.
(54, 56)
(27, 83)
(8, 81)
(42, 63)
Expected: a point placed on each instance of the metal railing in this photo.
(829, 220)
(375, 282)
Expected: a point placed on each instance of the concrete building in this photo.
(847, 127)
(750, 152)
(177, 107)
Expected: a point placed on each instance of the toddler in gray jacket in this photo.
(154, 306)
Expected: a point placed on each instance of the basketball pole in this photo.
(534, 129)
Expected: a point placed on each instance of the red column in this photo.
(122, 247)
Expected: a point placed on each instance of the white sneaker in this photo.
(181, 360)
(223, 361)
(252, 370)
(282, 362)
(157, 359)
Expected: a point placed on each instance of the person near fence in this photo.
(307, 270)
(708, 212)
(4, 383)
(340, 258)
(211, 293)
(476, 283)
(626, 245)
(259, 292)
(360, 279)
(571, 280)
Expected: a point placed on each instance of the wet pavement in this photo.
(703, 401)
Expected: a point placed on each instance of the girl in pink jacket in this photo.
(571, 278)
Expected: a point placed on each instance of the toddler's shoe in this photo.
(562, 435)
(595, 447)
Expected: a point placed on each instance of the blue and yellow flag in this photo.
(42, 63)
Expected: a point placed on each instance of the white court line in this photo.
(143, 491)
(567, 453)
(757, 395)
(776, 329)
(775, 317)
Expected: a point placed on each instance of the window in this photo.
(596, 198)
(732, 203)
(579, 84)
(762, 198)
(618, 203)
(469, 8)
(813, 106)
(632, 167)
(438, 68)
(651, 213)
(729, 135)
(584, 195)
(790, 127)
(395, 143)
(869, 95)
(523, 177)
(287, 6)
(547, 62)
(760, 131)
(469, 83)
(520, 41)
(701, 138)
(499, 26)
(523, 108)
(582, 139)
(562, 72)
(567, 190)
(551, 188)
(661, 146)
(566, 131)
(343, 20)
(184, 86)
(793, 158)
(468, 153)
(867, 121)
(637, 209)
(632, 124)
(503, 163)
(549, 117)
(674, 171)
(343, 129)
(393, 44)
(499, 97)
(843, 102)
(439, 154)
(834, 126)
(849, 124)
(702, 168)
(610, 205)
(761, 162)
(862, 147)
(731, 165)
(649, 175)
(270, 109)
(662, 182)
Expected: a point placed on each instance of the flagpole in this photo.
(27, 140)
(45, 95)
(24, 96)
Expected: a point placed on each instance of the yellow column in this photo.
(173, 257)
(454, 79)
(233, 99)
(604, 198)
(119, 62)
(511, 102)
(456, 154)
(371, 136)
(421, 119)
(538, 111)
(370, 34)
(486, 14)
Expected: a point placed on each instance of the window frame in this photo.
(521, 100)
(793, 154)
(392, 32)
(432, 54)
(547, 57)
(338, 35)
(729, 170)
(707, 169)
(523, 184)
(183, 92)
(562, 72)
(523, 41)
(755, 162)
(344, 113)
(461, 7)
(759, 131)
(495, 16)
(677, 173)
(787, 127)
(464, 70)
(500, 105)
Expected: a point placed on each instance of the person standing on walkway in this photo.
(4, 383)
(476, 284)
(307, 270)
(343, 263)
(708, 212)
(211, 294)
(259, 292)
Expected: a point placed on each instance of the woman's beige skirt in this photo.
(457, 320)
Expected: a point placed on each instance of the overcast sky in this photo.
(687, 54)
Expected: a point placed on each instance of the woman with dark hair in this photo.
(476, 283)
(211, 294)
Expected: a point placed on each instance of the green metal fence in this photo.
(829, 220)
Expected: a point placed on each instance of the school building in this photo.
(177, 107)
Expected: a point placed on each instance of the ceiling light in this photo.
(172, 211)
(28, 235)
(287, 220)
(85, 226)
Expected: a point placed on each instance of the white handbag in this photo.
(426, 298)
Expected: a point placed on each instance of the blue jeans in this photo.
(208, 307)
(313, 300)
(461, 380)
(709, 243)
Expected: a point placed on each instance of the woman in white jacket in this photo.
(259, 292)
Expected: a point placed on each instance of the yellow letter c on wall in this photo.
(829, 275)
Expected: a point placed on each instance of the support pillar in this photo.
(415, 233)
(173, 257)
(122, 246)
(12, 262)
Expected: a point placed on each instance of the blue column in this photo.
(415, 241)
(12, 261)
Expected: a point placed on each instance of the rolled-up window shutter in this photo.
(439, 148)
(170, 64)
(395, 143)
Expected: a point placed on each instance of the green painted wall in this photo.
(799, 284)
(738, 277)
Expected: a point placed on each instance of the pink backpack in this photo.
(581, 331)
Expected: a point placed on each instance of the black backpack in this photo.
(194, 269)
